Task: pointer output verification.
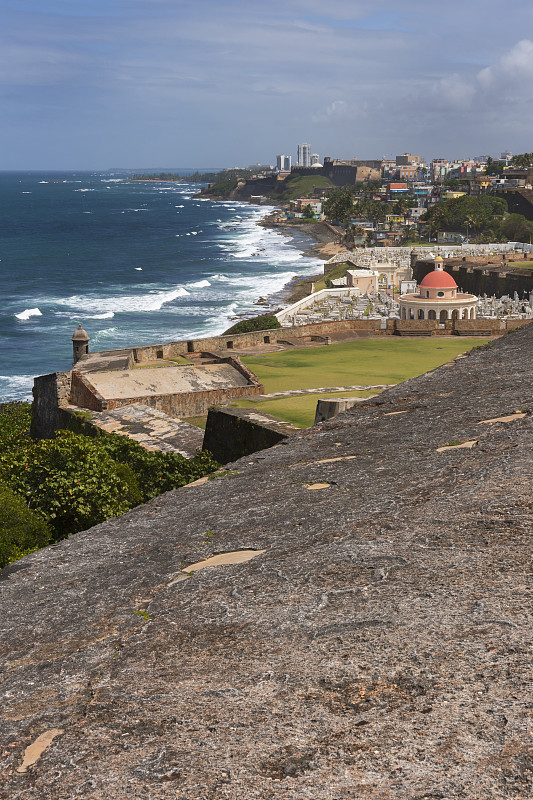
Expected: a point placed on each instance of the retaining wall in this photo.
(232, 433)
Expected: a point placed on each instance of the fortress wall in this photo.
(232, 433)
(49, 392)
(187, 404)
(481, 276)
(84, 394)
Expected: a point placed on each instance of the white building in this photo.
(304, 155)
(283, 163)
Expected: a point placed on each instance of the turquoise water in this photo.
(133, 262)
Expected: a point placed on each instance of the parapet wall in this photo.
(480, 275)
(239, 341)
(231, 433)
(49, 393)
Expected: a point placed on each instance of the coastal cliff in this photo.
(375, 646)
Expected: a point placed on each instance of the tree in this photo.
(494, 167)
(339, 207)
(373, 210)
(516, 228)
(523, 160)
(308, 212)
(465, 214)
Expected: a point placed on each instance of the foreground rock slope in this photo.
(379, 647)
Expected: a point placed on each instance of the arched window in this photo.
(432, 314)
(465, 313)
(455, 314)
(420, 313)
(472, 313)
(443, 315)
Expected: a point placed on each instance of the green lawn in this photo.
(364, 362)
(300, 186)
(299, 410)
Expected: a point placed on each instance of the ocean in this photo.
(133, 262)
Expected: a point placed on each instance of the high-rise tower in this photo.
(304, 155)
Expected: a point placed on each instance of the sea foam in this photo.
(29, 312)
(152, 301)
(198, 285)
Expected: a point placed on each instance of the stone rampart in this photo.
(232, 433)
(49, 393)
(480, 275)
(376, 645)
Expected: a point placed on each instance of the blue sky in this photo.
(88, 84)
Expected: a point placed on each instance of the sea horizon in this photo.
(134, 262)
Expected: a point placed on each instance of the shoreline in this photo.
(323, 245)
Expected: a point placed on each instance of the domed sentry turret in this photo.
(80, 343)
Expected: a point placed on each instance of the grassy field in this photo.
(299, 410)
(301, 186)
(363, 362)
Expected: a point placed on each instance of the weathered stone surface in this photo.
(378, 648)
(151, 428)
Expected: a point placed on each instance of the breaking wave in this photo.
(29, 312)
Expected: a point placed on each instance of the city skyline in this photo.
(213, 84)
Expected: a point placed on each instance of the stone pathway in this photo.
(320, 390)
(152, 429)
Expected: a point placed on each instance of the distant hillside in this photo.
(239, 186)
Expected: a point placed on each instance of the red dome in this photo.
(438, 279)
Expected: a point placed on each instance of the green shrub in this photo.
(15, 419)
(156, 472)
(264, 322)
(21, 531)
(76, 481)
(71, 480)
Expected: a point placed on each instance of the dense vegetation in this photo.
(482, 218)
(51, 488)
(264, 322)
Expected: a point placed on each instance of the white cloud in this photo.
(500, 84)
(335, 111)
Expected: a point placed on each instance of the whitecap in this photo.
(138, 269)
(15, 387)
(106, 315)
(84, 190)
(198, 285)
(43, 181)
(25, 192)
(29, 312)
(222, 278)
(152, 301)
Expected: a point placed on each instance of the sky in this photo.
(103, 84)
